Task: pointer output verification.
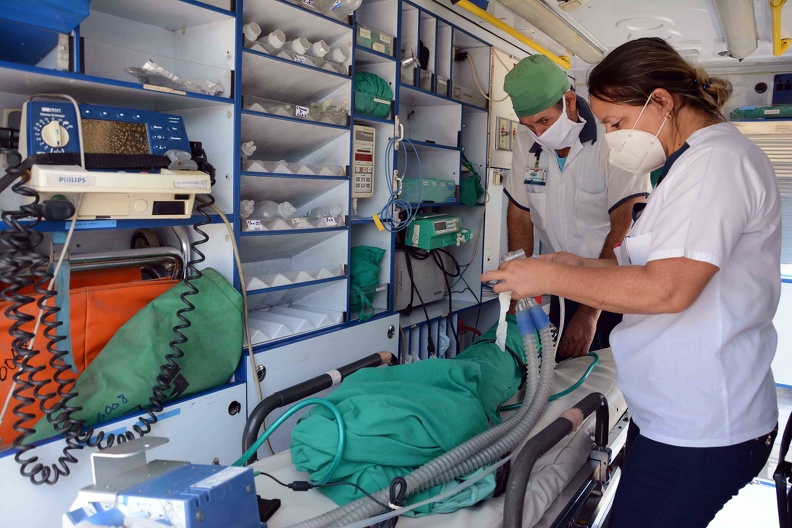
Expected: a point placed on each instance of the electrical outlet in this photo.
(506, 134)
(497, 177)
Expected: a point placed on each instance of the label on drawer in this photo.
(254, 225)
(300, 59)
(365, 33)
(301, 111)
(385, 38)
(163, 89)
(330, 221)
(377, 46)
(309, 3)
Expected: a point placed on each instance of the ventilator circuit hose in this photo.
(481, 450)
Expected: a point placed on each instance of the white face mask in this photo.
(636, 151)
(561, 134)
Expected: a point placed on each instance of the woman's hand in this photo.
(525, 277)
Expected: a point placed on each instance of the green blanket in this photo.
(401, 417)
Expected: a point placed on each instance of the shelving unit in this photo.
(193, 40)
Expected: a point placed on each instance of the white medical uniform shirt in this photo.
(570, 212)
(702, 378)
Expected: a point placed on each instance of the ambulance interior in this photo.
(274, 287)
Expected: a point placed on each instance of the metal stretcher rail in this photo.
(541, 443)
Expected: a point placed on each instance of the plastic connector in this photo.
(300, 485)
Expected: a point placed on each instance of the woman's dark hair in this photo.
(630, 73)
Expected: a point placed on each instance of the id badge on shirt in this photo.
(535, 176)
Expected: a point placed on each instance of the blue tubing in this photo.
(540, 319)
(525, 323)
(282, 418)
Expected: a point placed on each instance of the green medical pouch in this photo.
(121, 378)
(364, 267)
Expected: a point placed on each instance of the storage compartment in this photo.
(471, 73)
(428, 118)
(279, 314)
(277, 140)
(186, 51)
(282, 260)
(374, 39)
(316, 203)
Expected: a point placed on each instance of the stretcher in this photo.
(565, 482)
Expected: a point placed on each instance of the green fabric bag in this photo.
(470, 189)
(401, 417)
(121, 378)
(373, 95)
(364, 269)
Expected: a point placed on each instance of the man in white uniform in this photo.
(562, 185)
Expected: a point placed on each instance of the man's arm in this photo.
(583, 325)
(519, 229)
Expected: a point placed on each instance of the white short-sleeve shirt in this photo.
(571, 208)
(702, 378)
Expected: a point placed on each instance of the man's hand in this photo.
(579, 333)
(563, 257)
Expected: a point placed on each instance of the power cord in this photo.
(462, 55)
(304, 485)
(387, 214)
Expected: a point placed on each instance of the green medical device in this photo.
(436, 231)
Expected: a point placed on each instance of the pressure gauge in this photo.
(52, 134)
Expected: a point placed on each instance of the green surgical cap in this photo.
(535, 84)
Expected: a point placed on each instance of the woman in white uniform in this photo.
(698, 280)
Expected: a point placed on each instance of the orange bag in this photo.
(97, 311)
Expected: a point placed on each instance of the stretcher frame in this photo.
(586, 498)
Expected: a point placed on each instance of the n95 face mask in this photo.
(561, 134)
(636, 151)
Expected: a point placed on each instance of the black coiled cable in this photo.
(170, 368)
(22, 267)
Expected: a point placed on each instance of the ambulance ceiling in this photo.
(691, 26)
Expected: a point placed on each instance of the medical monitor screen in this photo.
(114, 137)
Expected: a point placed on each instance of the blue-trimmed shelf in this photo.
(470, 105)
(294, 119)
(167, 14)
(369, 119)
(293, 231)
(292, 176)
(82, 225)
(428, 144)
(309, 67)
(376, 56)
(444, 98)
(441, 99)
(263, 291)
(444, 204)
(25, 79)
(314, 13)
(437, 310)
(362, 221)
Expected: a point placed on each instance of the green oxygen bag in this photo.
(122, 377)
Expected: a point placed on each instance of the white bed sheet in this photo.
(550, 475)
